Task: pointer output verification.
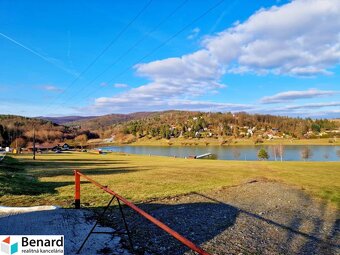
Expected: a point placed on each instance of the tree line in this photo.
(199, 124)
(17, 131)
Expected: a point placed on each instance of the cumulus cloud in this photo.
(301, 38)
(125, 103)
(297, 94)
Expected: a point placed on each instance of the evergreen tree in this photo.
(262, 154)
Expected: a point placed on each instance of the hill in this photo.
(18, 131)
(187, 124)
(102, 124)
(127, 128)
(65, 119)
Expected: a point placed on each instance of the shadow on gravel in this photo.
(214, 222)
(199, 222)
(315, 242)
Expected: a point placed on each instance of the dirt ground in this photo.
(257, 217)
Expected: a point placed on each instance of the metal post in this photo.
(33, 143)
(147, 216)
(94, 226)
(126, 226)
(77, 190)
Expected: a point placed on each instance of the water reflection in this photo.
(288, 152)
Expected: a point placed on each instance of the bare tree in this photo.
(281, 151)
(274, 151)
(278, 151)
(306, 153)
(81, 140)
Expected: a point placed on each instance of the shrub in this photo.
(258, 140)
(263, 154)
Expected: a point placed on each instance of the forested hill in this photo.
(105, 121)
(18, 130)
(203, 124)
(166, 124)
(66, 119)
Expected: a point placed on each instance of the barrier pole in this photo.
(77, 190)
(158, 223)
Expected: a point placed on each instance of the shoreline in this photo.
(196, 142)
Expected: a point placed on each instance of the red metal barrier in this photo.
(158, 223)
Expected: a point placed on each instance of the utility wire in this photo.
(47, 59)
(160, 45)
(125, 28)
(130, 49)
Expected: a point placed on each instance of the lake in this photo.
(291, 152)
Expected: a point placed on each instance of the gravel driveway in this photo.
(258, 217)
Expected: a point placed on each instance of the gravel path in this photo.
(258, 217)
(73, 224)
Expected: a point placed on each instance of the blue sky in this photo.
(277, 57)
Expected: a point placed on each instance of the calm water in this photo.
(291, 152)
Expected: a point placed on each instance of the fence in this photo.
(119, 198)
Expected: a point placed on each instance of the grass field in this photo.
(49, 179)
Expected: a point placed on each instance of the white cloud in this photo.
(313, 105)
(301, 38)
(297, 94)
(144, 102)
(194, 33)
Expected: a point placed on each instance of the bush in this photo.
(258, 140)
(263, 154)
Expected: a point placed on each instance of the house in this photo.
(41, 147)
(65, 147)
(108, 140)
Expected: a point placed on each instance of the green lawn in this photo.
(49, 179)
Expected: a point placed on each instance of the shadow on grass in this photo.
(15, 180)
(64, 167)
(91, 171)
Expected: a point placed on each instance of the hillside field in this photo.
(49, 179)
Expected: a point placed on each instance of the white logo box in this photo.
(31, 244)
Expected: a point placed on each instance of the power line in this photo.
(49, 60)
(103, 51)
(161, 45)
(130, 49)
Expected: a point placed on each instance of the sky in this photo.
(60, 58)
